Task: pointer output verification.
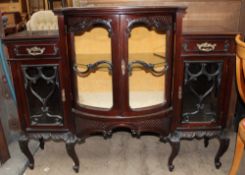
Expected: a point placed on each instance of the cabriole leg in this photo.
(23, 143)
(70, 148)
(175, 151)
(224, 144)
(174, 141)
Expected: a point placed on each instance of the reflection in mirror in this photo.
(147, 67)
(93, 68)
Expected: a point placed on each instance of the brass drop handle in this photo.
(123, 67)
(63, 95)
(34, 51)
(180, 93)
(206, 47)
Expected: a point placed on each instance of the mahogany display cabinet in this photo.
(122, 68)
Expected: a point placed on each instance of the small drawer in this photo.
(35, 49)
(202, 45)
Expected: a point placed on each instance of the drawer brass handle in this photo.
(180, 93)
(63, 95)
(206, 47)
(34, 51)
(123, 67)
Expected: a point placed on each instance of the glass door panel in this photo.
(202, 87)
(93, 69)
(147, 67)
(43, 94)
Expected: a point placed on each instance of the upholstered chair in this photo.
(42, 20)
(240, 74)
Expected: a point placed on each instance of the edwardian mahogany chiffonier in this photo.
(122, 67)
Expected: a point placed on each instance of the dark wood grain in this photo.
(162, 120)
(4, 151)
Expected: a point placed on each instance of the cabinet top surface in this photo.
(120, 9)
(29, 35)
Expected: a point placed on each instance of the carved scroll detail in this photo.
(86, 24)
(67, 137)
(159, 23)
(91, 68)
(176, 136)
(148, 67)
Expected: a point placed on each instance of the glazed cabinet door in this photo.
(148, 56)
(204, 91)
(208, 67)
(40, 92)
(93, 63)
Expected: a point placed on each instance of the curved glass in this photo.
(147, 67)
(93, 69)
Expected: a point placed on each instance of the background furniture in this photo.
(34, 6)
(195, 79)
(4, 152)
(42, 20)
(240, 70)
(51, 4)
(10, 6)
(239, 149)
(15, 22)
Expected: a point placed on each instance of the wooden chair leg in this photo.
(239, 149)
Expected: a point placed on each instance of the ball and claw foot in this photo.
(171, 168)
(218, 164)
(76, 168)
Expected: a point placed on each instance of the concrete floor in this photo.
(124, 155)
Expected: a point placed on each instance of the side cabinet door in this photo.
(42, 94)
(208, 63)
(204, 87)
